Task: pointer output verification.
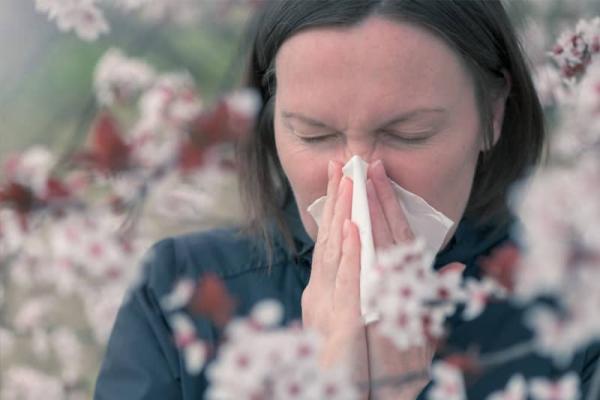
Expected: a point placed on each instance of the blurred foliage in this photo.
(46, 85)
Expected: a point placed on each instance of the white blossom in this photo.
(478, 294)
(194, 350)
(261, 360)
(101, 307)
(81, 16)
(69, 352)
(34, 313)
(410, 297)
(448, 382)
(120, 77)
(579, 131)
(516, 389)
(31, 168)
(561, 221)
(7, 338)
(566, 388)
(171, 103)
(12, 234)
(25, 383)
(180, 295)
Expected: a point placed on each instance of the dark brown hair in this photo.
(478, 30)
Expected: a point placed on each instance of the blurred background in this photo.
(46, 75)
(51, 338)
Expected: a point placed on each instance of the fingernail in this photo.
(346, 228)
(330, 169)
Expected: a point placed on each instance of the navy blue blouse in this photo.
(142, 361)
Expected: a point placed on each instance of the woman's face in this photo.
(381, 90)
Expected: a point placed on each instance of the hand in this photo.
(390, 227)
(331, 300)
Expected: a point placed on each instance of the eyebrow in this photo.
(406, 116)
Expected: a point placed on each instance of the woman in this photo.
(434, 95)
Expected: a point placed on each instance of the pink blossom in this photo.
(562, 256)
(194, 351)
(81, 16)
(25, 383)
(566, 388)
(448, 382)
(516, 389)
(411, 298)
(261, 360)
(478, 294)
(118, 77)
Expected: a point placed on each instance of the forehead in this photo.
(377, 67)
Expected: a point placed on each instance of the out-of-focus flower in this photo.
(448, 382)
(575, 49)
(560, 222)
(194, 350)
(31, 168)
(180, 296)
(552, 89)
(12, 233)
(7, 338)
(69, 352)
(101, 306)
(579, 131)
(29, 184)
(171, 104)
(566, 388)
(478, 294)
(260, 360)
(411, 298)
(81, 16)
(560, 229)
(516, 389)
(33, 313)
(24, 383)
(177, 11)
(118, 77)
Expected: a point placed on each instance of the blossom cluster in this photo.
(75, 226)
(413, 300)
(562, 256)
(87, 17)
(261, 360)
(449, 385)
(576, 49)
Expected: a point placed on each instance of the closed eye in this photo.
(317, 139)
(415, 138)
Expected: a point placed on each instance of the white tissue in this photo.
(424, 220)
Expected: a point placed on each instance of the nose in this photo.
(365, 149)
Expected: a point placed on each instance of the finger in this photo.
(382, 237)
(335, 175)
(392, 210)
(347, 283)
(333, 246)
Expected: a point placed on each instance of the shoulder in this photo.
(225, 252)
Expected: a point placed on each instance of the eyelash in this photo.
(321, 139)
